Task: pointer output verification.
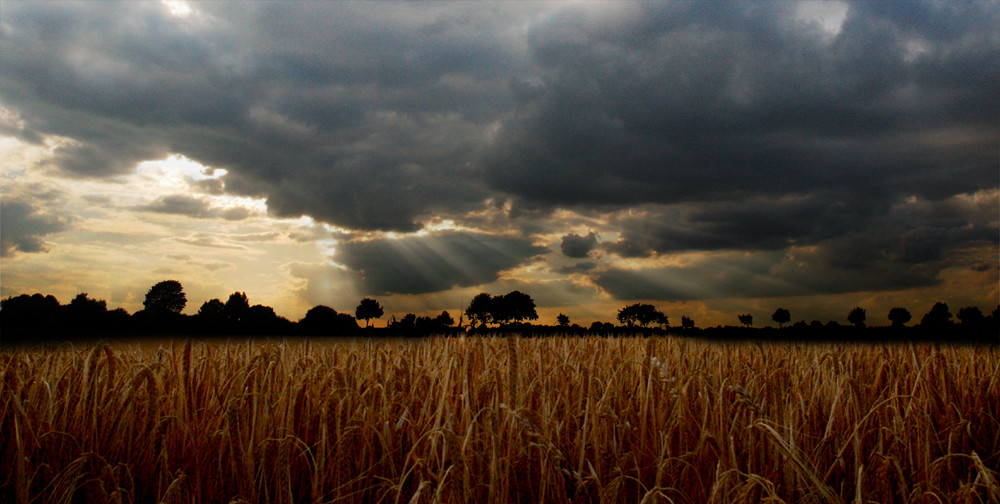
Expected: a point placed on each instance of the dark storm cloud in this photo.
(696, 126)
(574, 245)
(729, 101)
(764, 275)
(437, 262)
(363, 115)
(758, 223)
(908, 248)
(23, 227)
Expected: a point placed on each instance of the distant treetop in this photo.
(165, 297)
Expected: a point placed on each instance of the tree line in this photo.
(36, 317)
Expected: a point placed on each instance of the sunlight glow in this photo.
(177, 171)
(177, 8)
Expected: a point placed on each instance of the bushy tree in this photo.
(687, 323)
(639, 313)
(445, 319)
(85, 310)
(368, 309)
(165, 297)
(323, 320)
(480, 310)
(939, 317)
(746, 319)
(971, 316)
(211, 309)
(857, 317)
(515, 306)
(211, 315)
(781, 316)
(899, 316)
(562, 320)
(237, 307)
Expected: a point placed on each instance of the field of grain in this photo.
(499, 420)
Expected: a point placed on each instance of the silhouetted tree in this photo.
(237, 307)
(480, 310)
(971, 317)
(211, 317)
(261, 319)
(515, 306)
(445, 319)
(663, 321)
(601, 328)
(211, 309)
(25, 316)
(938, 318)
(323, 320)
(899, 316)
(84, 310)
(368, 309)
(746, 319)
(687, 323)
(407, 324)
(781, 316)
(857, 317)
(562, 320)
(638, 313)
(165, 297)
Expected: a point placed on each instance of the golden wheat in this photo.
(499, 420)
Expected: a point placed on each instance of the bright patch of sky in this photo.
(829, 15)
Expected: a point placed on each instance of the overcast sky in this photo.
(709, 158)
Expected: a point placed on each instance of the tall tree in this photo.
(562, 320)
(165, 297)
(368, 309)
(746, 319)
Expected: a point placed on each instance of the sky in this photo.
(710, 158)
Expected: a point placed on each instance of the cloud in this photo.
(798, 272)
(574, 245)
(858, 132)
(179, 204)
(684, 102)
(23, 227)
(580, 267)
(286, 100)
(209, 240)
(433, 263)
(907, 247)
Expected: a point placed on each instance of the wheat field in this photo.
(499, 420)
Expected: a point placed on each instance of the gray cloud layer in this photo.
(180, 204)
(696, 125)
